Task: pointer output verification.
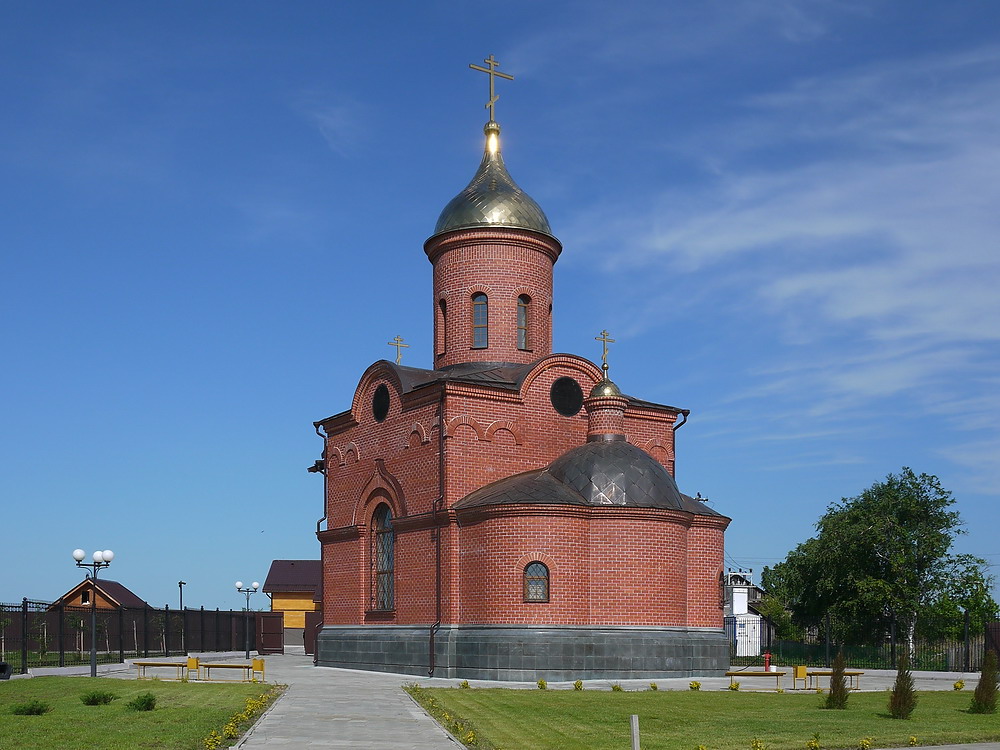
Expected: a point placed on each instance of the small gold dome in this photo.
(605, 388)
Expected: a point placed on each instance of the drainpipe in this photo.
(438, 505)
(684, 413)
(320, 467)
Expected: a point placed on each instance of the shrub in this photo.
(903, 698)
(578, 685)
(694, 685)
(31, 708)
(837, 697)
(653, 686)
(984, 700)
(464, 684)
(542, 685)
(813, 744)
(213, 741)
(756, 744)
(865, 743)
(959, 685)
(616, 687)
(97, 698)
(912, 741)
(143, 702)
(700, 747)
(734, 686)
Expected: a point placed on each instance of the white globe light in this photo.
(239, 584)
(98, 557)
(255, 585)
(79, 554)
(108, 555)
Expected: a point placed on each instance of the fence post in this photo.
(201, 632)
(145, 631)
(62, 623)
(965, 653)
(121, 634)
(24, 635)
(166, 630)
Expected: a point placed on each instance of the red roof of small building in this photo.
(293, 575)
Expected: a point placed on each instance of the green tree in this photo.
(984, 700)
(883, 558)
(903, 698)
(837, 697)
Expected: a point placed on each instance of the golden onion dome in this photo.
(492, 198)
(605, 388)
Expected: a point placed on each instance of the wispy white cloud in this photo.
(855, 215)
(340, 120)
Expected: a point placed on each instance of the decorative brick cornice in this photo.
(436, 246)
(341, 534)
(467, 516)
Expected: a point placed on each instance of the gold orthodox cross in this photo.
(492, 72)
(603, 338)
(398, 343)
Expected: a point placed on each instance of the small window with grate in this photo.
(480, 321)
(536, 582)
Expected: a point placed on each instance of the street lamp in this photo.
(251, 589)
(102, 559)
(180, 586)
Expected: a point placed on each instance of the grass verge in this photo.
(502, 719)
(185, 713)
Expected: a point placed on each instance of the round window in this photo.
(380, 402)
(566, 396)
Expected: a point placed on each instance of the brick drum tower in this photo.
(510, 514)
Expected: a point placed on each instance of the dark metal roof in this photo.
(293, 575)
(120, 593)
(598, 473)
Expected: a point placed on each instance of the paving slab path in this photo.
(345, 708)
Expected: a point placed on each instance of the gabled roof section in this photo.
(293, 575)
(113, 591)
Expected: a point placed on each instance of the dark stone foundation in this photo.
(555, 653)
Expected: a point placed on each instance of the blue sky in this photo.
(213, 217)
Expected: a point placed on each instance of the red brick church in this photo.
(510, 513)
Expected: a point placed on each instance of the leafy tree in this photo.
(837, 697)
(4, 623)
(774, 610)
(883, 559)
(984, 700)
(903, 698)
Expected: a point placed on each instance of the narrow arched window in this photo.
(442, 332)
(382, 554)
(480, 321)
(523, 302)
(536, 583)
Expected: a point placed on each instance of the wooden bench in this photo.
(776, 675)
(250, 671)
(191, 665)
(853, 677)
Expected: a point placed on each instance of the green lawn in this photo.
(185, 714)
(673, 720)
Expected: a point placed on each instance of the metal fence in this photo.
(751, 636)
(44, 634)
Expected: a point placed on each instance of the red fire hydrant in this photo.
(767, 661)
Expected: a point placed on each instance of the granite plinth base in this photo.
(555, 653)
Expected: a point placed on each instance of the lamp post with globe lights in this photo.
(251, 589)
(102, 559)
